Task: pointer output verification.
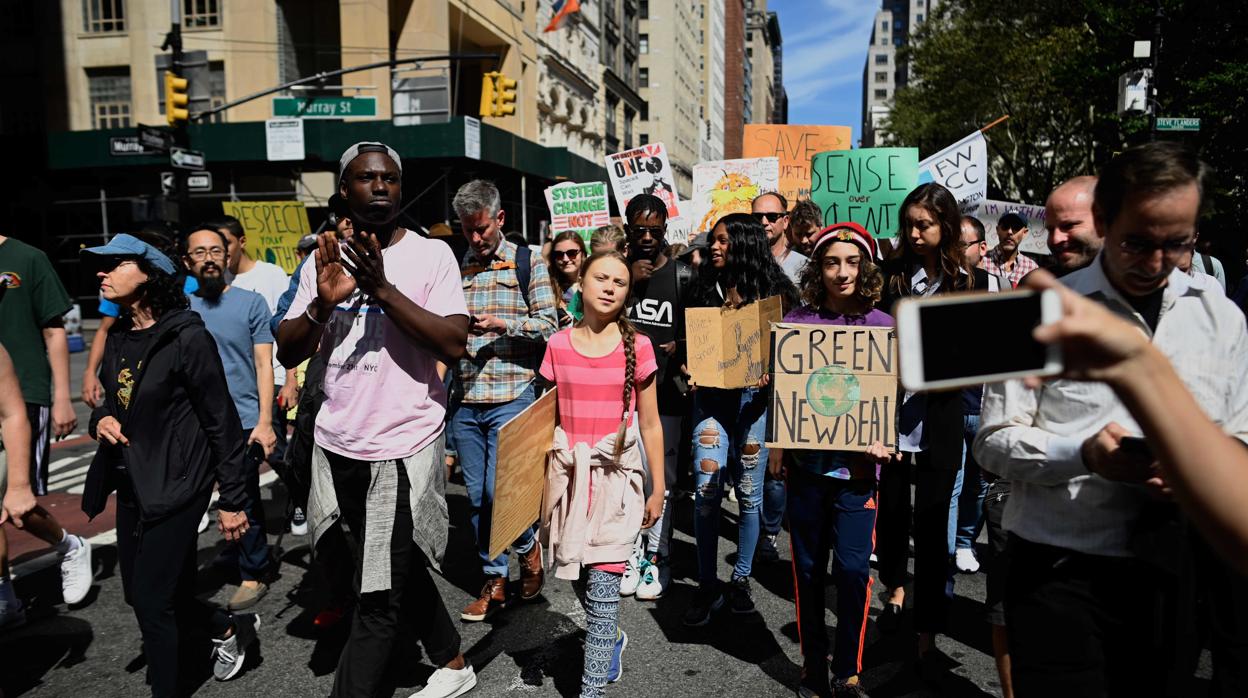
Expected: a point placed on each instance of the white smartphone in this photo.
(960, 340)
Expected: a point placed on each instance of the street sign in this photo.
(1177, 124)
(154, 138)
(127, 145)
(324, 107)
(186, 159)
(195, 181)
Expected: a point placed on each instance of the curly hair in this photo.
(160, 294)
(628, 335)
(562, 284)
(749, 266)
(944, 208)
(867, 287)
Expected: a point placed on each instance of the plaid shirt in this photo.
(498, 367)
(1023, 265)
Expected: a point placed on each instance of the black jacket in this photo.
(944, 420)
(183, 429)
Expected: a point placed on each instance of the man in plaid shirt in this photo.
(506, 342)
(1005, 260)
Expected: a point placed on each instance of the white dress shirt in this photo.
(1034, 437)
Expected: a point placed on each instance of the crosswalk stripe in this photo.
(61, 463)
(59, 478)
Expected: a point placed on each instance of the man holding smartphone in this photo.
(1081, 600)
(238, 321)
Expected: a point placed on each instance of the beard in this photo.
(211, 287)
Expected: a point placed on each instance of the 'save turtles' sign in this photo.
(834, 387)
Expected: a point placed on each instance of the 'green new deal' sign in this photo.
(324, 107)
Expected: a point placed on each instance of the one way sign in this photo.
(186, 159)
(195, 181)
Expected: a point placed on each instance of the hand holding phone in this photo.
(1116, 454)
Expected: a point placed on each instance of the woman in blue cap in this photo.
(168, 431)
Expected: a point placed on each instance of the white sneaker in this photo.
(632, 575)
(448, 683)
(655, 578)
(298, 523)
(76, 573)
(964, 558)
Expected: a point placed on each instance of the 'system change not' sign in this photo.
(729, 348)
(834, 387)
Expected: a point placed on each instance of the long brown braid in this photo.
(628, 334)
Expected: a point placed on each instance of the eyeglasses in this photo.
(770, 216)
(968, 245)
(639, 230)
(199, 253)
(1170, 249)
(572, 254)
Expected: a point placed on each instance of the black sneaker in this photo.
(766, 551)
(706, 600)
(844, 689)
(739, 596)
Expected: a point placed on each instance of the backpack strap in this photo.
(1207, 263)
(684, 276)
(524, 271)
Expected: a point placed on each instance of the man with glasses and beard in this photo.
(772, 210)
(657, 308)
(238, 321)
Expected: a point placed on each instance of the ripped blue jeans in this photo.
(729, 434)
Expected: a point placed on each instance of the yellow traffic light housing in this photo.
(487, 94)
(176, 99)
(504, 96)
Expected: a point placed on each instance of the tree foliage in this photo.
(1053, 66)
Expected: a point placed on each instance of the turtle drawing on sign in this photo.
(732, 193)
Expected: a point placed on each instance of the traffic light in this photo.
(176, 99)
(498, 92)
(487, 95)
(504, 96)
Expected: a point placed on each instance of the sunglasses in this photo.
(639, 230)
(571, 254)
(770, 216)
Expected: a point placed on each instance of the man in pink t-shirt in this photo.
(383, 307)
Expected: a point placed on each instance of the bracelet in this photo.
(308, 314)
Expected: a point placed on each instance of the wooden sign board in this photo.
(520, 473)
(834, 387)
(730, 348)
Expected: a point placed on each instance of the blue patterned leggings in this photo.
(601, 600)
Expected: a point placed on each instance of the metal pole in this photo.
(104, 215)
(1152, 86)
(524, 206)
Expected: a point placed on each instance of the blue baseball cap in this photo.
(129, 246)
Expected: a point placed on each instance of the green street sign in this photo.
(1177, 124)
(324, 107)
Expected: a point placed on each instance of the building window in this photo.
(897, 41)
(645, 116)
(201, 14)
(100, 16)
(884, 26)
(629, 115)
(881, 77)
(645, 9)
(644, 138)
(216, 82)
(749, 51)
(749, 36)
(612, 104)
(109, 90)
(881, 94)
(884, 41)
(643, 77)
(881, 59)
(918, 18)
(897, 24)
(643, 43)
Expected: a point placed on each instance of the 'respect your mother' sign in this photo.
(866, 186)
(834, 387)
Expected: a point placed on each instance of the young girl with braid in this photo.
(595, 503)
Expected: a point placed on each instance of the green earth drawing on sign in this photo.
(832, 391)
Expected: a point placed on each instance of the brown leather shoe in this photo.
(493, 597)
(532, 576)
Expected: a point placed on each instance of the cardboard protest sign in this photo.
(962, 168)
(520, 475)
(273, 229)
(834, 387)
(989, 212)
(730, 348)
(643, 170)
(865, 186)
(721, 187)
(794, 145)
(579, 207)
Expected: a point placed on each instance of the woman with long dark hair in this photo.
(168, 431)
(730, 425)
(567, 254)
(928, 261)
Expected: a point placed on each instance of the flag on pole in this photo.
(563, 8)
